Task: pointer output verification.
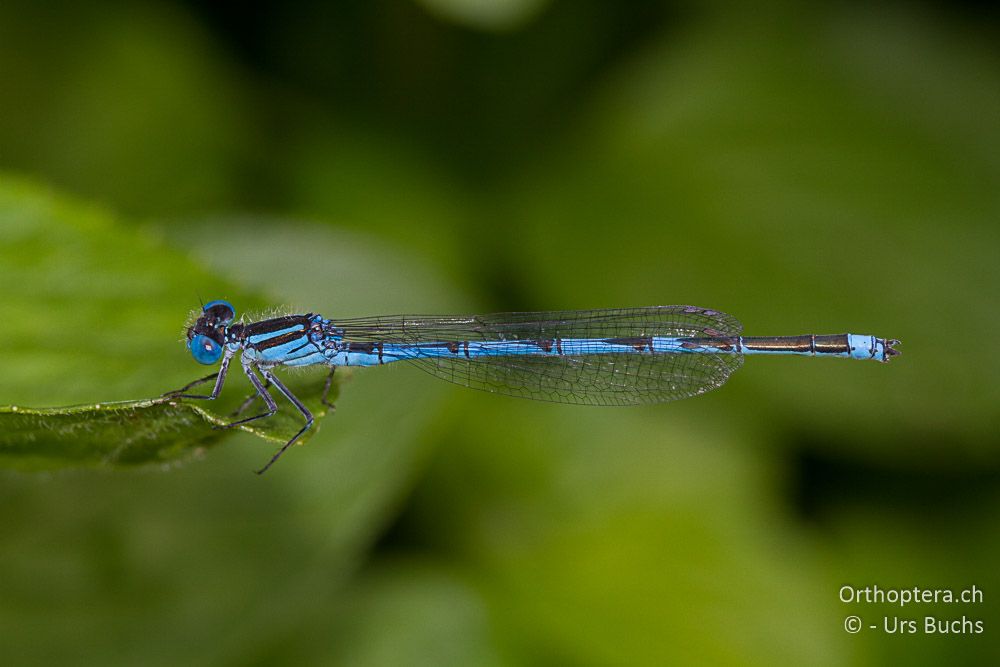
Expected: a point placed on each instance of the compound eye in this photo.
(221, 311)
(204, 349)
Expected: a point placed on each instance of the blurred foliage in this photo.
(806, 167)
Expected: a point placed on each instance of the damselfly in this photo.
(595, 357)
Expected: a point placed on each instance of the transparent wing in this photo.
(595, 379)
(600, 379)
(610, 323)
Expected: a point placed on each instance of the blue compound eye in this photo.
(204, 349)
(221, 311)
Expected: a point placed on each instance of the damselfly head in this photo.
(207, 335)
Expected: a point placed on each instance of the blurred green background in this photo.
(805, 167)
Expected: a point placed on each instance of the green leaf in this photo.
(128, 433)
(92, 321)
(124, 432)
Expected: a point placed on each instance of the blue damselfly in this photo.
(596, 357)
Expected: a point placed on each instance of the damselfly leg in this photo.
(181, 392)
(248, 401)
(326, 390)
(272, 407)
(220, 379)
(298, 406)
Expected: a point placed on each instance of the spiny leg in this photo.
(326, 389)
(248, 401)
(299, 406)
(272, 407)
(220, 379)
(178, 392)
